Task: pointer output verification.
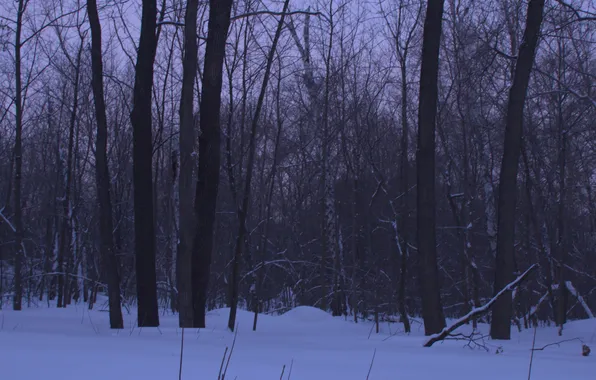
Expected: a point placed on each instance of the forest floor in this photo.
(75, 343)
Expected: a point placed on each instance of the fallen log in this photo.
(476, 312)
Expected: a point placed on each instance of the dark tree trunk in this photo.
(18, 157)
(102, 175)
(501, 316)
(209, 154)
(185, 188)
(432, 310)
(140, 117)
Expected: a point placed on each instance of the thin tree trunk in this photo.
(355, 296)
(563, 292)
(240, 240)
(405, 187)
(547, 268)
(65, 252)
(272, 175)
(432, 310)
(209, 154)
(102, 175)
(328, 230)
(18, 156)
(501, 317)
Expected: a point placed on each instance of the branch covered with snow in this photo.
(479, 310)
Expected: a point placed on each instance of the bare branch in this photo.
(167, 22)
(558, 344)
(272, 13)
(10, 225)
(51, 23)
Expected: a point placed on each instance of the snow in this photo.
(307, 314)
(75, 343)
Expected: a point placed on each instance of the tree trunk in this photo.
(265, 236)
(141, 118)
(432, 310)
(65, 252)
(405, 187)
(562, 246)
(18, 156)
(328, 230)
(102, 175)
(209, 154)
(501, 317)
(185, 187)
(240, 240)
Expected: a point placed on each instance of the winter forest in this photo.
(385, 161)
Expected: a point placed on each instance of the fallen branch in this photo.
(558, 344)
(476, 312)
(534, 309)
(580, 299)
(475, 340)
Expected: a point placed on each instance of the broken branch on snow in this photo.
(478, 311)
(558, 344)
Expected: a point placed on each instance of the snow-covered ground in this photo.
(75, 343)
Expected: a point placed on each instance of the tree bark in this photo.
(102, 173)
(501, 317)
(432, 310)
(209, 154)
(185, 187)
(141, 119)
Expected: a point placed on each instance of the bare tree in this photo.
(18, 159)
(501, 321)
(102, 174)
(141, 120)
(187, 161)
(209, 154)
(403, 33)
(243, 212)
(432, 310)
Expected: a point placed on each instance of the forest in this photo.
(378, 159)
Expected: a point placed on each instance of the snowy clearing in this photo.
(75, 343)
